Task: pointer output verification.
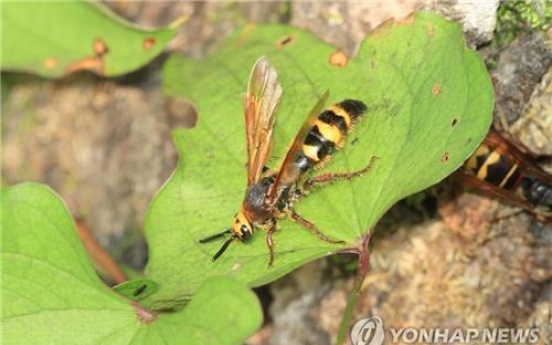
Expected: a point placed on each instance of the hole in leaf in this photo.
(445, 158)
(281, 43)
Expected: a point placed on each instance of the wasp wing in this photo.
(525, 158)
(471, 182)
(288, 173)
(263, 95)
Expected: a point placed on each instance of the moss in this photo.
(516, 18)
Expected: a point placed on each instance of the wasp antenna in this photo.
(215, 236)
(223, 248)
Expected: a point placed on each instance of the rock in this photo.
(478, 18)
(521, 66)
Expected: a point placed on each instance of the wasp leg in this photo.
(329, 177)
(311, 227)
(270, 245)
(498, 217)
(543, 158)
(270, 227)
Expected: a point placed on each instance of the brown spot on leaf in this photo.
(431, 30)
(436, 89)
(286, 41)
(445, 158)
(100, 47)
(338, 59)
(50, 63)
(148, 43)
(244, 35)
(93, 64)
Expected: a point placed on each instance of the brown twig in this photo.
(100, 256)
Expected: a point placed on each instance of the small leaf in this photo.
(429, 104)
(55, 38)
(222, 311)
(52, 295)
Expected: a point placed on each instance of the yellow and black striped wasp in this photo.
(510, 173)
(270, 195)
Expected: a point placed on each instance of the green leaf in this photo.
(430, 102)
(54, 38)
(51, 294)
(222, 311)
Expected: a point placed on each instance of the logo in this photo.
(368, 332)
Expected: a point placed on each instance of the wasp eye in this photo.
(245, 232)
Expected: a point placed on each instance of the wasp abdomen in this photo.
(328, 132)
(493, 167)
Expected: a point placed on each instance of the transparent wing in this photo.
(288, 173)
(263, 96)
(526, 159)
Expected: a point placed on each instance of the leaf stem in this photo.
(363, 267)
(100, 256)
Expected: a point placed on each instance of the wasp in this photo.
(270, 194)
(510, 172)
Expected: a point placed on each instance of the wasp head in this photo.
(242, 229)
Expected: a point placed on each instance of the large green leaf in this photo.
(51, 294)
(54, 38)
(430, 102)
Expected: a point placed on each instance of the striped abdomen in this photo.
(497, 168)
(328, 132)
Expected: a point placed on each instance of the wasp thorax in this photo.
(241, 227)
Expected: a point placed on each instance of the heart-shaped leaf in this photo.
(429, 104)
(55, 38)
(52, 295)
